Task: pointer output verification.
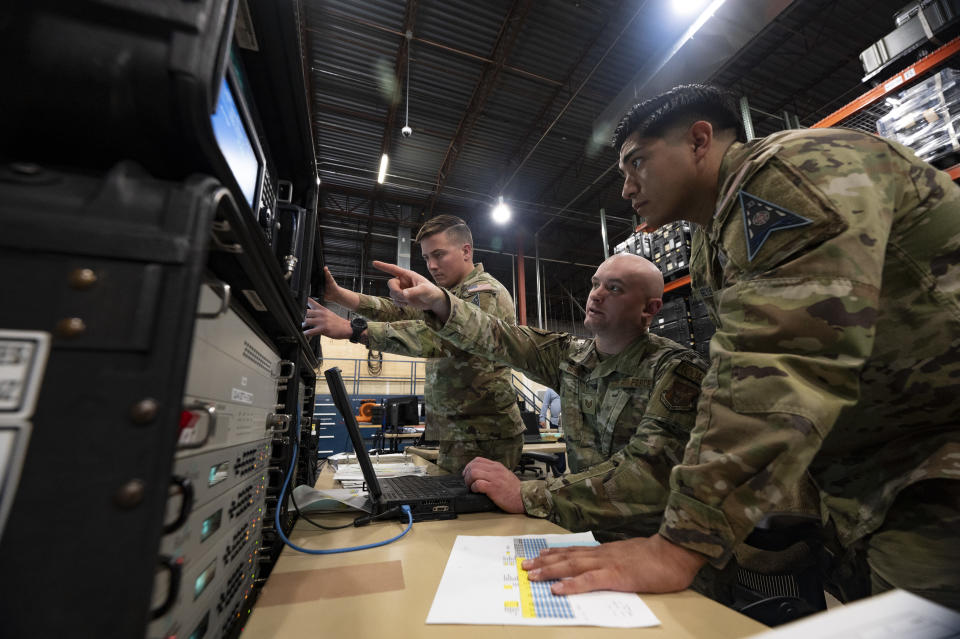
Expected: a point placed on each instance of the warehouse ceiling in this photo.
(506, 98)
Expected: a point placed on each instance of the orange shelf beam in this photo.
(677, 283)
(954, 172)
(902, 79)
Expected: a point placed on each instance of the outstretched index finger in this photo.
(392, 269)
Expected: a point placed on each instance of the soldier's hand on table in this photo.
(323, 321)
(496, 481)
(644, 564)
(409, 287)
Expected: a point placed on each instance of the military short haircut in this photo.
(457, 228)
(680, 106)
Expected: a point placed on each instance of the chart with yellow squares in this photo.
(530, 598)
(484, 583)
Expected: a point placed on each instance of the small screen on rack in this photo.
(234, 143)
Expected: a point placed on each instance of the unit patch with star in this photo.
(761, 218)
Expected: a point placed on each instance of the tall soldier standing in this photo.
(830, 261)
(469, 400)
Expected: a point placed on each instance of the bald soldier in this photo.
(628, 398)
(830, 262)
(469, 400)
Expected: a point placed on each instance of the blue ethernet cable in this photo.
(330, 551)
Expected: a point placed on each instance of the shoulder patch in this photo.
(761, 218)
(681, 396)
(479, 288)
(690, 372)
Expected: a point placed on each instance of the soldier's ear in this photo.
(650, 310)
(700, 137)
(467, 252)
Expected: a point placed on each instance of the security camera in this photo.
(406, 131)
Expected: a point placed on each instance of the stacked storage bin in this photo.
(637, 244)
(673, 322)
(670, 249)
(926, 117)
(702, 326)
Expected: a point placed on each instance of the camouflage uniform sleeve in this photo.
(629, 490)
(411, 338)
(535, 352)
(493, 300)
(399, 330)
(383, 309)
(797, 321)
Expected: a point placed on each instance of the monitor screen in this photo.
(402, 411)
(234, 143)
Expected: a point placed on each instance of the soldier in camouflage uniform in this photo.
(470, 402)
(830, 260)
(628, 401)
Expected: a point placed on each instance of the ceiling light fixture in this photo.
(407, 130)
(687, 7)
(705, 15)
(501, 212)
(384, 161)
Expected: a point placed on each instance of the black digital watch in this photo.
(359, 325)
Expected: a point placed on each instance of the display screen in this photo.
(201, 582)
(210, 525)
(218, 472)
(201, 630)
(234, 143)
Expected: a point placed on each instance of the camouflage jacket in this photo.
(626, 419)
(832, 272)
(466, 397)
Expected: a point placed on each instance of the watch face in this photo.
(358, 324)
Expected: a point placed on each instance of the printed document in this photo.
(483, 583)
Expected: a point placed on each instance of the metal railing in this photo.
(527, 394)
(409, 377)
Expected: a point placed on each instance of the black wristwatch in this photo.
(359, 325)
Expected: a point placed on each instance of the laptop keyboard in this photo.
(413, 486)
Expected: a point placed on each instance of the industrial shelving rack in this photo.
(863, 112)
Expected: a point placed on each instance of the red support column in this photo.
(521, 283)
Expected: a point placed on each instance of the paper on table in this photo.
(483, 584)
(892, 615)
(353, 471)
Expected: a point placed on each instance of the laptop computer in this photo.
(532, 424)
(429, 497)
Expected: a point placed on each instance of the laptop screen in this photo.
(340, 399)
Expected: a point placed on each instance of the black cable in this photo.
(363, 520)
(310, 521)
(374, 368)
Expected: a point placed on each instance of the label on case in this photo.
(242, 396)
(23, 358)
